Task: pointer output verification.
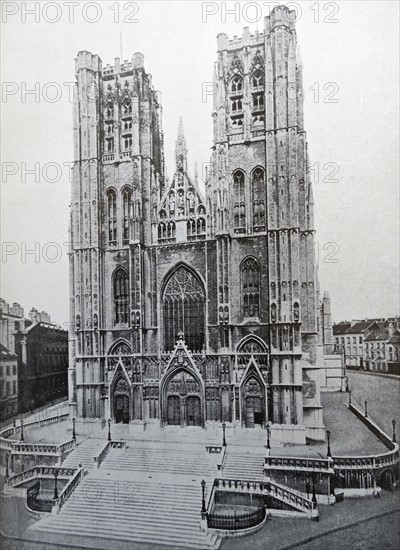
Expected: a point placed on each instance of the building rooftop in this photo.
(6, 354)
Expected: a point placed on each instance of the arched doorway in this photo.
(184, 309)
(253, 402)
(121, 401)
(182, 400)
(385, 480)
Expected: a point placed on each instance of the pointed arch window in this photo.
(121, 296)
(109, 111)
(236, 102)
(112, 216)
(126, 108)
(257, 80)
(250, 287)
(258, 198)
(126, 209)
(239, 207)
(258, 95)
(184, 309)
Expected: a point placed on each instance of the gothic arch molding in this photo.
(253, 397)
(120, 345)
(248, 339)
(182, 397)
(121, 403)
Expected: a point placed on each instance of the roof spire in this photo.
(180, 149)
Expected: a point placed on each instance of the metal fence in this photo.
(236, 521)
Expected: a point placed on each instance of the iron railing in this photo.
(236, 521)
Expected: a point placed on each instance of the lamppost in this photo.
(268, 436)
(22, 429)
(73, 428)
(203, 499)
(314, 496)
(328, 437)
(366, 409)
(394, 431)
(7, 466)
(55, 496)
(109, 429)
(223, 434)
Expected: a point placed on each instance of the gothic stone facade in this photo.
(188, 309)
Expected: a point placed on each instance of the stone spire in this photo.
(180, 149)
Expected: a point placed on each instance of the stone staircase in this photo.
(149, 492)
(243, 465)
(248, 437)
(182, 459)
(245, 455)
(146, 512)
(84, 453)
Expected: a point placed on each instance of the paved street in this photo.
(383, 396)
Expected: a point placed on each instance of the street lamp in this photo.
(73, 428)
(328, 437)
(22, 429)
(109, 429)
(7, 466)
(55, 496)
(223, 434)
(203, 500)
(394, 431)
(366, 409)
(268, 436)
(314, 496)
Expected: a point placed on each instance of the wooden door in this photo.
(174, 410)
(193, 411)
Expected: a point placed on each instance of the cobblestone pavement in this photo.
(282, 533)
(382, 394)
(349, 436)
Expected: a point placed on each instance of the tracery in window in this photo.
(250, 272)
(121, 296)
(258, 192)
(112, 216)
(184, 309)
(126, 211)
(239, 206)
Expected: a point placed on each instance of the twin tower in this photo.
(189, 309)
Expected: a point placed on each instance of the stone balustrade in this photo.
(68, 489)
(46, 472)
(267, 488)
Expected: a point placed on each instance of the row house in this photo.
(371, 344)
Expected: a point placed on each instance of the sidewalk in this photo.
(282, 533)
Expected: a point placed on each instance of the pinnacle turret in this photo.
(180, 149)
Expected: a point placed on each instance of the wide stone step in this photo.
(201, 541)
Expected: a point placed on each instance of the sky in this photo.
(350, 58)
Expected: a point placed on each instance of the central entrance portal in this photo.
(182, 401)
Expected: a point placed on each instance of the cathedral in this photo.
(193, 309)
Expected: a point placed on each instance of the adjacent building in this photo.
(370, 344)
(33, 361)
(8, 383)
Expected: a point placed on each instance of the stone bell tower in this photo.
(118, 177)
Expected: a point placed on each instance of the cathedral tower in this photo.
(259, 198)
